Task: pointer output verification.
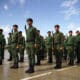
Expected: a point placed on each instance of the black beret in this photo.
(49, 32)
(15, 25)
(1, 30)
(30, 19)
(70, 31)
(57, 26)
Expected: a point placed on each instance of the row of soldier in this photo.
(35, 45)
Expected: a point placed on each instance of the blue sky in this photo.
(45, 13)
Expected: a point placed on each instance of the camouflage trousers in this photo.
(21, 51)
(0, 53)
(15, 53)
(10, 51)
(70, 50)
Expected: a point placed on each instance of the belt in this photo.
(13, 42)
(70, 45)
(56, 43)
(30, 41)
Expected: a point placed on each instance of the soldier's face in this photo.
(70, 33)
(38, 33)
(77, 33)
(49, 34)
(14, 28)
(29, 23)
(56, 29)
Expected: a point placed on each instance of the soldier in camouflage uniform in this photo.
(15, 47)
(4, 43)
(78, 47)
(1, 45)
(38, 49)
(70, 48)
(21, 44)
(49, 44)
(9, 46)
(31, 34)
(43, 48)
(65, 51)
(58, 39)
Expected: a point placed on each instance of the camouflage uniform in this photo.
(70, 49)
(38, 51)
(49, 44)
(1, 45)
(58, 48)
(15, 48)
(65, 51)
(43, 48)
(31, 34)
(21, 44)
(9, 46)
(78, 48)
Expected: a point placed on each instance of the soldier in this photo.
(65, 51)
(78, 46)
(43, 48)
(70, 48)
(9, 46)
(38, 51)
(15, 47)
(4, 43)
(21, 44)
(1, 38)
(31, 34)
(49, 44)
(58, 46)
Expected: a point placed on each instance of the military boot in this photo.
(38, 63)
(30, 70)
(71, 63)
(58, 67)
(15, 66)
(21, 60)
(10, 59)
(0, 62)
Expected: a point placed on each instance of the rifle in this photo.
(25, 28)
(52, 40)
(12, 31)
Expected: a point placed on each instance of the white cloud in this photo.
(72, 26)
(70, 9)
(69, 3)
(5, 7)
(70, 12)
(6, 30)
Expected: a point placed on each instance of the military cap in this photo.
(70, 31)
(49, 32)
(15, 25)
(30, 19)
(1, 30)
(57, 26)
